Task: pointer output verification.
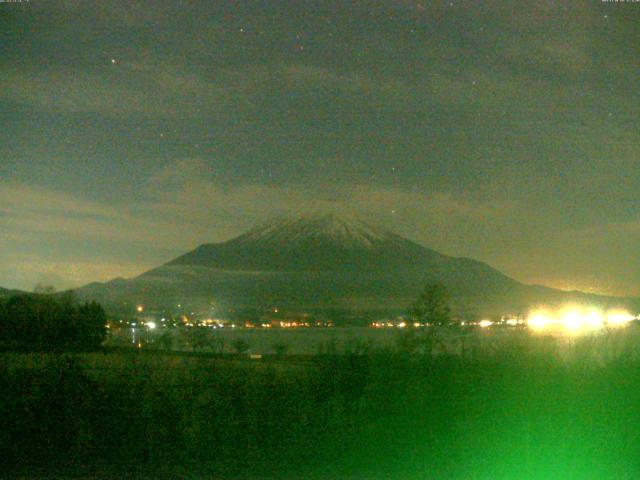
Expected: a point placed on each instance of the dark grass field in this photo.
(523, 411)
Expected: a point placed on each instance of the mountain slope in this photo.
(326, 261)
(316, 243)
(4, 292)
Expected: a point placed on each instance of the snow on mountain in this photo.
(327, 242)
(297, 229)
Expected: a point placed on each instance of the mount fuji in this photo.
(326, 261)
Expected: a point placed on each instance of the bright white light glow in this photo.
(617, 318)
(151, 325)
(572, 320)
(594, 319)
(539, 320)
(485, 323)
(578, 319)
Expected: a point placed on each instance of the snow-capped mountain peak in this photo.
(312, 242)
(340, 229)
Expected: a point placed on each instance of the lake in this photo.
(310, 341)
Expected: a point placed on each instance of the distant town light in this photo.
(539, 321)
(578, 319)
(619, 318)
(151, 325)
(140, 308)
(594, 319)
(572, 320)
(485, 323)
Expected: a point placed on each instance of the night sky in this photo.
(131, 132)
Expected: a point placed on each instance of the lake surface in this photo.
(309, 341)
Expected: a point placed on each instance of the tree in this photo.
(91, 326)
(199, 338)
(165, 342)
(44, 322)
(432, 306)
(280, 349)
(241, 346)
(44, 289)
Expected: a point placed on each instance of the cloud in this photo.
(177, 174)
(75, 91)
(25, 199)
(26, 271)
(154, 88)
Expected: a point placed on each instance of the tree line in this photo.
(50, 323)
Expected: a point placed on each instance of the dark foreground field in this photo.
(520, 412)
